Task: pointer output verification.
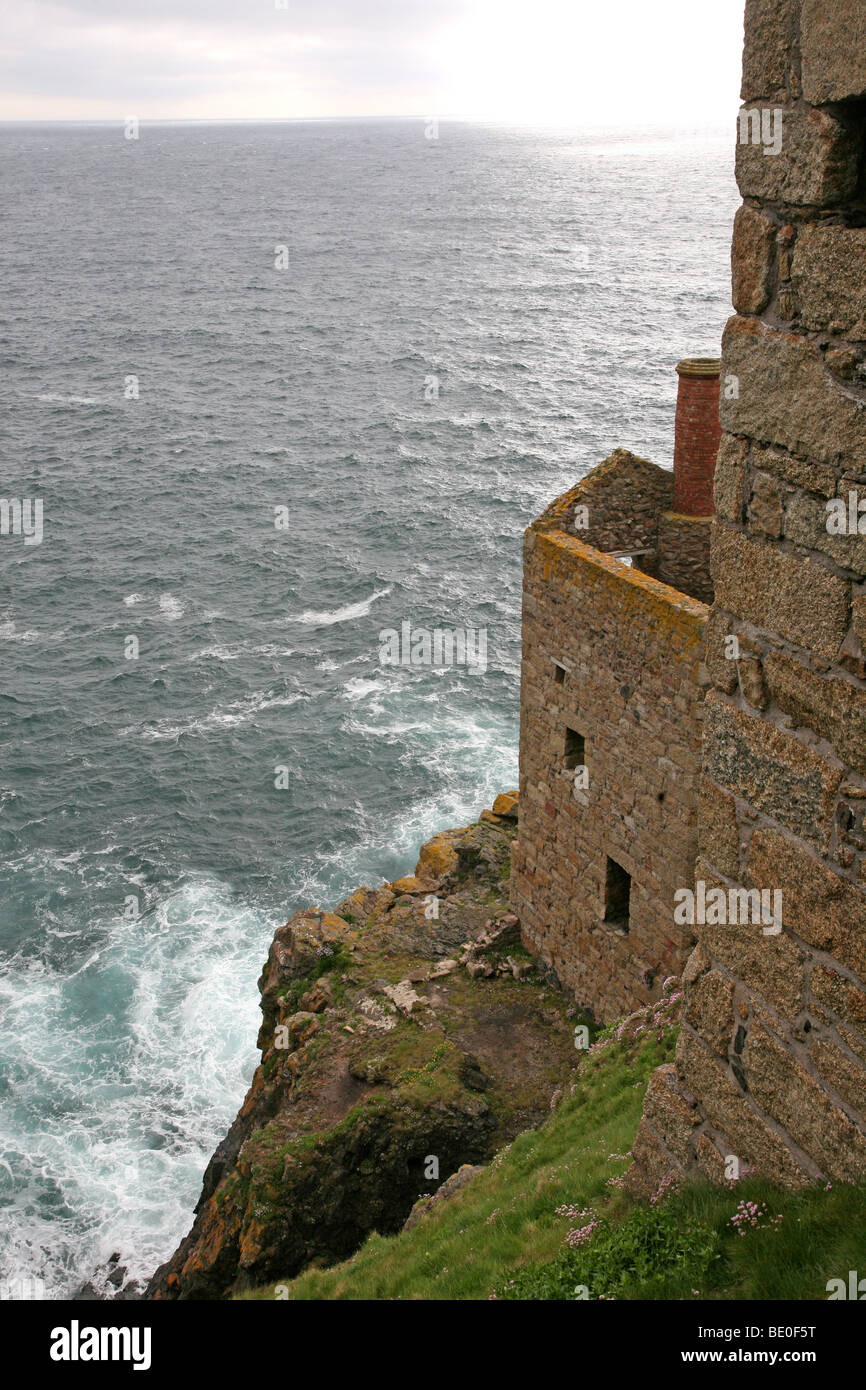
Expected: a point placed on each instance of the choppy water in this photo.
(546, 284)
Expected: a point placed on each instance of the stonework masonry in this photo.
(613, 682)
(693, 697)
(771, 1062)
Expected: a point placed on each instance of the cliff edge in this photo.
(404, 1034)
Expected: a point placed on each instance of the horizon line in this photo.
(706, 126)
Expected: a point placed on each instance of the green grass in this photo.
(632, 1257)
(507, 1217)
(688, 1247)
(502, 1236)
(335, 961)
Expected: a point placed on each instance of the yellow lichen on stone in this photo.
(437, 858)
(506, 805)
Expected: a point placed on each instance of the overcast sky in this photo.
(610, 62)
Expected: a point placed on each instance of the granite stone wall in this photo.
(611, 703)
(684, 554)
(771, 1064)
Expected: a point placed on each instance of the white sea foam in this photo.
(342, 615)
(219, 652)
(223, 651)
(115, 1164)
(360, 688)
(51, 399)
(223, 717)
(9, 633)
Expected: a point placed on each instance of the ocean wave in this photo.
(9, 633)
(342, 615)
(223, 717)
(224, 651)
(49, 398)
(361, 687)
(115, 1163)
(170, 607)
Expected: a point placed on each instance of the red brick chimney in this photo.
(698, 432)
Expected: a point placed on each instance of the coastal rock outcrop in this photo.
(386, 1067)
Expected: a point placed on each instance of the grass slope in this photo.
(503, 1236)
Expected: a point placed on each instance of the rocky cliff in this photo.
(403, 1035)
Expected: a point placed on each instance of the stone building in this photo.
(667, 745)
(771, 1059)
(616, 578)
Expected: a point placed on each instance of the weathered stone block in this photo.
(818, 905)
(729, 479)
(846, 1077)
(833, 48)
(767, 53)
(755, 1142)
(635, 1182)
(834, 708)
(772, 966)
(673, 1116)
(722, 668)
(750, 673)
(853, 1041)
(709, 1007)
(829, 273)
(752, 261)
(697, 963)
(710, 1162)
(787, 397)
(806, 525)
(784, 1089)
(847, 363)
(852, 657)
(812, 477)
(784, 593)
(651, 1160)
(718, 832)
(765, 506)
(770, 769)
(816, 165)
(842, 995)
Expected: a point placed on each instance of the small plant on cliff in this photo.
(755, 1215)
(329, 960)
(611, 1259)
(424, 1072)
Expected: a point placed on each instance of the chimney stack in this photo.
(697, 436)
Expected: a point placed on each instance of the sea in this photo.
(271, 391)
